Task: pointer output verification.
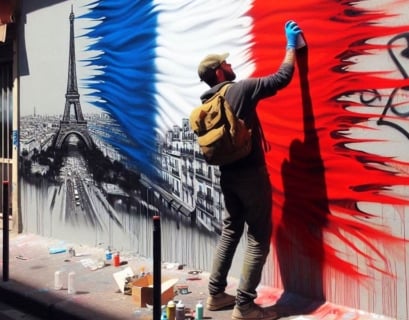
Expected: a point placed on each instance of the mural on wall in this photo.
(115, 147)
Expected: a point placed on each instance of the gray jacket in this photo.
(243, 96)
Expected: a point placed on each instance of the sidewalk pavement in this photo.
(98, 296)
(8, 312)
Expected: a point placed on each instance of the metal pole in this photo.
(6, 231)
(157, 283)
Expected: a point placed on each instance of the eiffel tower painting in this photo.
(72, 124)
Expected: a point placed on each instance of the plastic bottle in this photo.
(199, 311)
(180, 311)
(71, 282)
(171, 310)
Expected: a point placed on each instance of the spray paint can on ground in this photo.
(58, 280)
(164, 316)
(171, 310)
(199, 311)
(71, 283)
(180, 311)
(71, 252)
(116, 259)
(108, 254)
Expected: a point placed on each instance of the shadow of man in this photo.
(299, 236)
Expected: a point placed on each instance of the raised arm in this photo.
(292, 33)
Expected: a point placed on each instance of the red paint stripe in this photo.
(318, 180)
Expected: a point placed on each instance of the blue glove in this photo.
(292, 30)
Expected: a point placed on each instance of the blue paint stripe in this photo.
(126, 38)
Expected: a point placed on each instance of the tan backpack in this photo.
(223, 137)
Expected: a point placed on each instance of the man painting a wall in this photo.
(339, 174)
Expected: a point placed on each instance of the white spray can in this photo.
(71, 282)
(58, 280)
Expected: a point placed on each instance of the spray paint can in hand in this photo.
(199, 311)
(300, 41)
(180, 311)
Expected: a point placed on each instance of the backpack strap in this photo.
(222, 91)
(265, 145)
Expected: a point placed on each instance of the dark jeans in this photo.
(248, 200)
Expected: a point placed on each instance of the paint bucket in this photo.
(116, 260)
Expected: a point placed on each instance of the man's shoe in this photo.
(251, 311)
(220, 301)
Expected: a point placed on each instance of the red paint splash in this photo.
(319, 180)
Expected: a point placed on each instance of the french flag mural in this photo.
(339, 133)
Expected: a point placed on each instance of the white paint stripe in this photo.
(188, 31)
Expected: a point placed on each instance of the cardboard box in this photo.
(142, 291)
(120, 277)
